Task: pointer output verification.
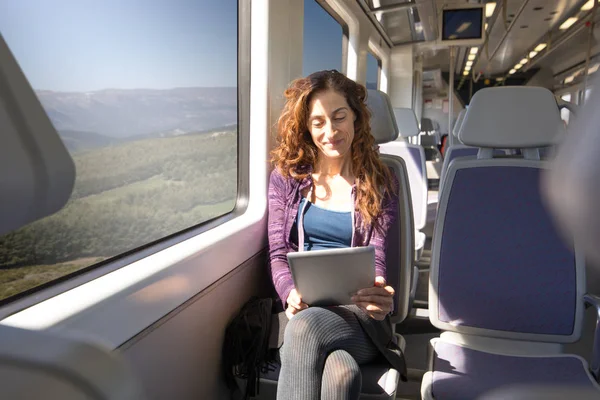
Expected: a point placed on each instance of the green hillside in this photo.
(125, 196)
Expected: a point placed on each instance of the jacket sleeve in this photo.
(379, 238)
(279, 268)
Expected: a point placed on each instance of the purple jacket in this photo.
(284, 199)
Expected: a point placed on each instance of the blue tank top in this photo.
(324, 228)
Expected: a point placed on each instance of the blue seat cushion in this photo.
(460, 373)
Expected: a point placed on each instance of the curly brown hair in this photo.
(295, 148)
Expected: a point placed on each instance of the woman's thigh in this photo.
(323, 330)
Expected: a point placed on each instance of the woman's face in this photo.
(331, 124)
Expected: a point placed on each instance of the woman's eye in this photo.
(339, 119)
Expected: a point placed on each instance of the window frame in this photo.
(36, 295)
(345, 31)
(379, 67)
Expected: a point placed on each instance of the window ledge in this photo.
(117, 306)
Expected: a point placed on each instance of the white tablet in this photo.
(332, 277)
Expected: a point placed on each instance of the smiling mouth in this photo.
(334, 143)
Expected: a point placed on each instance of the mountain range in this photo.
(91, 119)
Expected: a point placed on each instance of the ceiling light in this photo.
(486, 26)
(568, 23)
(532, 54)
(569, 79)
(469, 63)
(471, 57)
(588, 6)
(466, 73)
(467, 68)
(512, 71)
(489, 9)
(518, 66)
(499, 79)
(593, 69)
(540, 47)
(474, 50)
(523, 61)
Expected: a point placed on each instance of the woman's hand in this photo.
(376, 301)
(295, 304)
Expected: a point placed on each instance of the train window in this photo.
(373, 67)
(145, 98)
(564, 113)
(323, 40)
(586, 95)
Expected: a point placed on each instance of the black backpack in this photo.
(247, 347)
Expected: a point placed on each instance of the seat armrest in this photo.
(413, 287)
(593, 300)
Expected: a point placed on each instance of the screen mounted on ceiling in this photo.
(462, 26)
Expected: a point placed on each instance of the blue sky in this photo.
(322, 40)
(323, 43)
(86, 45)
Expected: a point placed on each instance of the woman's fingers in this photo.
(380, 282)
(387, 291)
(290, 312)
(295, 300)
(390, 290)
(378, 299)
(370, 307)
(378, 315)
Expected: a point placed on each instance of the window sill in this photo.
(119, 305)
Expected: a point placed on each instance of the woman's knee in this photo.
(341, 374)
(306, 324)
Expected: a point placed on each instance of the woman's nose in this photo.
(329, 129)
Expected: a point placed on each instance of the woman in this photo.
(328, 175)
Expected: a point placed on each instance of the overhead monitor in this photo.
(462, 26)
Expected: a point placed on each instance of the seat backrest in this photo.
(36, 179)
(400, 249)
(498, 266)
(453, 152)
(427, 125)
(456, 150)
(458, 123)
(40, 364)
(38, 172)
(414, 158)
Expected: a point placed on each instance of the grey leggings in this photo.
(321, 352)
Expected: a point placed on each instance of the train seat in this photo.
(503, 285)
(430, 139)
(379, 381)
(414, 158)
(36, 180)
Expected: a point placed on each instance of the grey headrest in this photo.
(407, 122)
(459, 122)
(383, 122)
(427, 125)
(37, 173)
(512, 117)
